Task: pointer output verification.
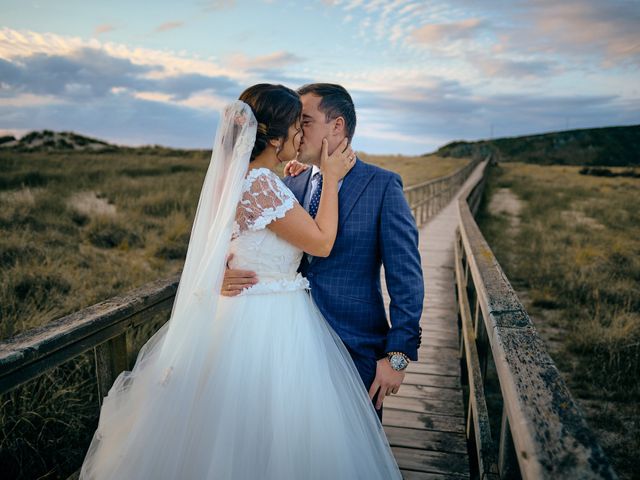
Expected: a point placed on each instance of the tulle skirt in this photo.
(281, 400)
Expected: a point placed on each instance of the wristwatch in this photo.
(398, 360)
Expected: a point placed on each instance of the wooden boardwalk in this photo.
(425, 421)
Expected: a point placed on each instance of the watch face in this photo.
(398, 362)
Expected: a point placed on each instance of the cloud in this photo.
(448, 110)
(435, 33)
(264, 63)
(104, 28)
(126, 121)
(181, 87)
(578, 30)
(168, 26)
(84, 73)
(24, 43)
(216, 5)
(507, 68)
(91, 73)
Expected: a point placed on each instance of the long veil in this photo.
(151, 403)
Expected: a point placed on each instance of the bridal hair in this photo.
(276, 108)
(336, 102)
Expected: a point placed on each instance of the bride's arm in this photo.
(317, 236)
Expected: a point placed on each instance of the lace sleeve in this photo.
(265, 198)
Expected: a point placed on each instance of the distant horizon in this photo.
(4, 132)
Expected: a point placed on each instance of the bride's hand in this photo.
(294, 168)
(338, 164)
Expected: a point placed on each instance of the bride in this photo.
(256, 386)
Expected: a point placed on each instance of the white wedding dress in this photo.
(281, 398)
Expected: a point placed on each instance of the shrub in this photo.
(107, 232)
(39, 289)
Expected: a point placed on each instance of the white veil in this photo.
(201, 279)
(149, 404)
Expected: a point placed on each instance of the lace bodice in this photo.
(264, 199)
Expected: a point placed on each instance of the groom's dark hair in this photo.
(336, 102)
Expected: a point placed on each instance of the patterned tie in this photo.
(315, 198)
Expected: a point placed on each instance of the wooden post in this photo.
(111, 359)
(507, 460)
(482, 340)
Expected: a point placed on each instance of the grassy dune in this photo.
(570, 244)
(75, 229)
(608, 146)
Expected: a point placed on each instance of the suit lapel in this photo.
(352, 186)
(298, 185)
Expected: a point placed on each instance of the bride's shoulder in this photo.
(264, 181)
(260, 173)
(264, 199)
(263, 177)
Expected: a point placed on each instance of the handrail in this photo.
(103, 327)
(543, 434)
(428, 198)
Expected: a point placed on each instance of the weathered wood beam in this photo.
(478, 413)
(550, 436)
(28, 355)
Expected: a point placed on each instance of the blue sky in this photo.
(421, 73)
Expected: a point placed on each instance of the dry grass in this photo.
(575, 259)
(78, 228)
(414, 170)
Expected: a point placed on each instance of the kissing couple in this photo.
(278, 354)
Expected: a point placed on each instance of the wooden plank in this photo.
(433, 353)
(430, 393)
(423, 405)
(442, 340)
(431, 462)
(426, 439)
(443, 321)
(440, 328)
(410, 475)
(434, 368)
(431, 396)
(403, 418)
(426, 391)
(442, 381)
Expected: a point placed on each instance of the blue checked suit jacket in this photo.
(375, 227)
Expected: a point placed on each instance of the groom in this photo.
(375, 228)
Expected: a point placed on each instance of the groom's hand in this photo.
(235, 281)
(294, 168)
(387, 381)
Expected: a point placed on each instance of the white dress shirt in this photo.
(314, 185)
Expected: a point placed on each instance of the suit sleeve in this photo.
(403, 270)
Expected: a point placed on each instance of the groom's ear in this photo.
(339, 126)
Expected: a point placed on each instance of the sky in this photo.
(421, 73)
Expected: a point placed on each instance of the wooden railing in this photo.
(102, 328)
(428, 198)
(542, 434)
